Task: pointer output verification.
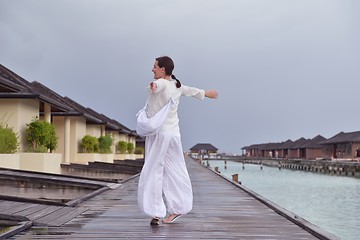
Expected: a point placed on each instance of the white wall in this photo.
(59, 124)
(77, 132)
(16, 113)
(93, 130)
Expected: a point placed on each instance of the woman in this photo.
(164, 171)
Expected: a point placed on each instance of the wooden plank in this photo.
(221, 211)
(5, 205)
(70, 214)
(34, 209)
(18, 207)
(59, 216)
(41, 212)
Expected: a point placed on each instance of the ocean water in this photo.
(328, 201)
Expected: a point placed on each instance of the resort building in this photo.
(299, 149)
(22, 101)
(342, 146)
(312, 149)
(204, 151)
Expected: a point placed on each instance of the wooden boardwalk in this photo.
(40, 214)
(221, 211)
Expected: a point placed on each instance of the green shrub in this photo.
(90, 144)
(105, 143)
(122, 146)
(139, 150)
(40, 149)
(130, 148)
(9, 141)
(40, 134)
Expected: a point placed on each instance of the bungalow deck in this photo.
(222, 210)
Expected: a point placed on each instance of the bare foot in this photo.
(171, 218)
(155, 221)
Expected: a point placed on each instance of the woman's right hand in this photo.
(153, 87)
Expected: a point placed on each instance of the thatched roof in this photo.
(203, 146)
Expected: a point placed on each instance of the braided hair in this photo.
(178, 83)
(167, 63)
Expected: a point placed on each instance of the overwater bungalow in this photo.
(204, 150)
(299, 149)
(294, 148)
(312, 149)
(284, 148)
(342, 146)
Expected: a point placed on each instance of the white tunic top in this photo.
(165, 89)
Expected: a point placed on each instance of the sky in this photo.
(283, 69)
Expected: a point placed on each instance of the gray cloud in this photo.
(284, 69)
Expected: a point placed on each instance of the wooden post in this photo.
(235, 177)
(225, 162)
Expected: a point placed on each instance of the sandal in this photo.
(176, 216)
(155, 221)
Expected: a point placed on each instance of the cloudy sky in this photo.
(283, 69)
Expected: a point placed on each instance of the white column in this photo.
(67, 140)
(102, 130)
(47, 112)
(113, 136)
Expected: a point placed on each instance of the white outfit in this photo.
(164, 170)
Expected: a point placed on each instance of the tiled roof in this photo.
(111, 124)
(6, 73)
(7, 86)
(255, 146)
(289, 144)
(78, 107)
(343, 138)
(14, 86)
(120, 126)
(298, 143)
(50, 95)
(314, 143)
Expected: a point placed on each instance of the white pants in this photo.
(164, 172)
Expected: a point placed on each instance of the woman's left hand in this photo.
(211, 94)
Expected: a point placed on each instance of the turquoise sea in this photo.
(328, 201)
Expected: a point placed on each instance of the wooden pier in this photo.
(331, 167)
(222, 210)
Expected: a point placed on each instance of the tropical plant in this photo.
(9, 140)
(139, 150)
(130, 148)
(122, 147)
(41, 136)
(105, 143)
(90, 144)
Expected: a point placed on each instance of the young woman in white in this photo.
(164, 172)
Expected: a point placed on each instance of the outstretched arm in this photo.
(211, 94)
(198, 93)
